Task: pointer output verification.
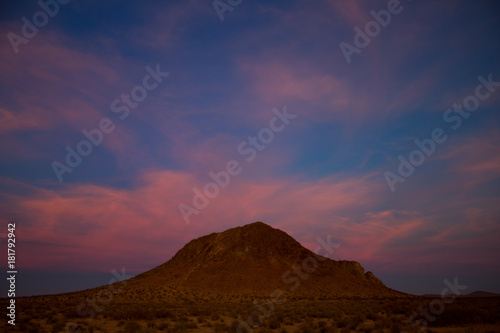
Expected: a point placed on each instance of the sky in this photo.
(129, 128)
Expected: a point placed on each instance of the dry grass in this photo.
(301, 316)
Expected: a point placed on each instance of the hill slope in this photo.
(252, 261)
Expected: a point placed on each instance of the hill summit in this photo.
(252, 261)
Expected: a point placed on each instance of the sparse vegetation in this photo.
(300, 316)
(132, 327)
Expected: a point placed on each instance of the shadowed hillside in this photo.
(254, 260)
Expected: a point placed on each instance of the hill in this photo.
(253, 261)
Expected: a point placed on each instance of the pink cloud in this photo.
(168, 23)
(473, 159)
(345, 97)
(351, 11)
(86, 219)
(82, 221)
(60, 84)
(276, 81)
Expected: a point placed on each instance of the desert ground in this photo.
(38, 314)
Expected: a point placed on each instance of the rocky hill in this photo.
(253, 261)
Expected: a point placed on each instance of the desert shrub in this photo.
(179, 327)
(306, 327)
(383, 322)
(184, 324)
(29, 327)
(371, 315)
(163, 326)
(132, 327)
(222, 328)
(162, 313)
(51, 319)
(181, 318)
(329, 329)
(262, 330)
(59, 325)
(343, 322)
(357, 319)
(274, 322)
(148, 330)
(22, 320)
(236, 324)
(198, 311)
(69, 312)
(396, 327)
(461, 314)
(400, 306)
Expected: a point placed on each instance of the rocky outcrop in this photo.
(352, 267)
(253, 261)
(372, 278)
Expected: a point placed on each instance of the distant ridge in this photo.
(481, 294)
(475, 294)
